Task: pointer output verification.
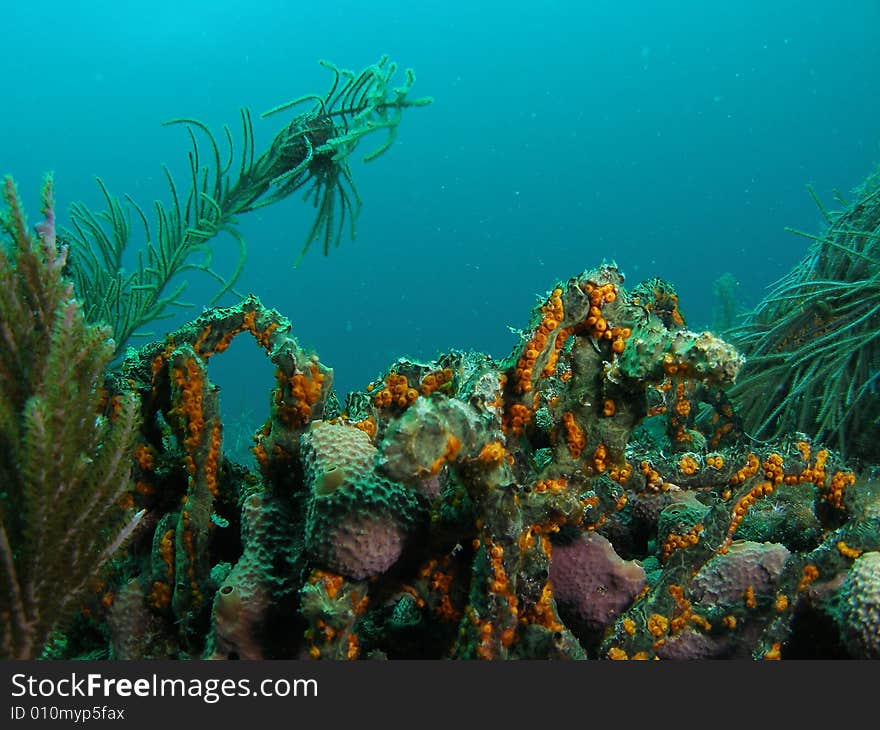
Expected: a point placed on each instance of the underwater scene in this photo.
(440, 330)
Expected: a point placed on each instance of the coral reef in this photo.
(589, 496)
(592, 495)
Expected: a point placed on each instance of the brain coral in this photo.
(725, 579)
(860, 607)
(334, 453)
(358, 527)
(362, 546)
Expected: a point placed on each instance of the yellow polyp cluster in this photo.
(410, 590)
(125, 501)
(331, 582)
(629, 626)
(261, 336)
(675, 369)
(453, 446)
(367, 425)
(808, 575)
(804, 448)
(729, 622)
(619, 336)
(574, 435)
(688, 465)
(144, 457)
(653, 481)
(200, 341)
(550, 485)
(685, 613)
(749, 597)
(781, 603)
(600, 456)
(716, 461)
(621, 474)
(497, 403)
(675, 542)
(190, 382)
(261, 455)
(484, 649)
(552, 313)
(847, 551)
(747, 472)
(543, 613)
(743, 504)
(107, 599)
(616, 654)
(658, 625)
(353, 647)
(166, 552)
(773, 469)
(720, 432)
(774, 653)
(839, 483)
(664, 303)
(553, 358)
(440, 582)
(608, 408)
(212, 461)
(158, 364)
(817, 473)
(397, 392)
(494, 453)
(189, 549)
(435, 381)
(595, 322)
(159, 597)
(500, 584)
(682, 405)
(248, 324)
(305, 392)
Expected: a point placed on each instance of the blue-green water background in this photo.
(674, 138)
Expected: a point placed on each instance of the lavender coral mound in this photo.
(357, 520)
(358, 530)
(748, 568)
(589, 577)
(361, 546)
(860, 610)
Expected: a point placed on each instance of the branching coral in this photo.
(813, 344)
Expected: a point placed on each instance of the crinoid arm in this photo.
(310, 154)
(355, 106)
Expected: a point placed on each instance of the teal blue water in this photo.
(674, 138)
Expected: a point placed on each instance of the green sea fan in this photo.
(813, 343)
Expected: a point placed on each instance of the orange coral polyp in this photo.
(574, 435)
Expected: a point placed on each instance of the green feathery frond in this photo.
(813, 343)
(65, 456)
(310, 154)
